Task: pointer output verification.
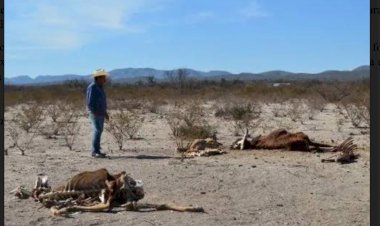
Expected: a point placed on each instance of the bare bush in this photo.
(24, 126)
(334, 93)
(153, 106)
(115, 128)
(134, 124)
(243, 115)
(130, 104)
(358, 114)
(54, 111)
(70, 113)
(49, 129)
(316, 104)
(124, 124)
(70, 128)
(188, 123)
(356, 108)
(21, 139)
(366, 110)
(175, 124)
(279, 110)
(29, 117)
(296, 110)
(59, 115)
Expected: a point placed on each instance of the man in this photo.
(97, 107)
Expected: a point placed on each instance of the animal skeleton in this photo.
(93, 191)
(345, 152)
(203, 147)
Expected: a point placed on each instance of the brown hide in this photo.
(279, 139)
(282, 139)
(87, 180)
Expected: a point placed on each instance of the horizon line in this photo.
(206, 71)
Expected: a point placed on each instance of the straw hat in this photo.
(100, 72)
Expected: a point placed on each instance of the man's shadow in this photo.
(145, 157)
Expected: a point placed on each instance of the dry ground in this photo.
(239, 188)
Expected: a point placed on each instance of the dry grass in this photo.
(328, 92)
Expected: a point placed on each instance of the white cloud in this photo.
(200, 16)
(68, 24)
(253, 10)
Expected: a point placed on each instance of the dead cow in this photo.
(94, 191)
(280, 139)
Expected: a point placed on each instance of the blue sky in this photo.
(51, 37)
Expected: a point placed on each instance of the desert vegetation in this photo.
(124, 124)
(55, 111)
(188, 122)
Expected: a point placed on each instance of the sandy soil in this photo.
(239, 188)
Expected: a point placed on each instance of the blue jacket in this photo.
(96, 99)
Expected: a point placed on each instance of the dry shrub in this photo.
(357, 113)
(296, 109)
(70, 128)
(334, 93)
(21, 139)
(366, 109)
(153, 106)
(134, 124)
(59, 116)
(25, 125)
(131, 105)
(124, 124)
(70, 113)
(279, 110)
(49, 129)
(356, 108)
(244, 116)
(316, 103)
(187, 122)
(54, 111)
(116, 128)
(29, 117)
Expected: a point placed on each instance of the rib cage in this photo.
(62, 195)
(90, 184)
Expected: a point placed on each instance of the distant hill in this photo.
(128, 75)
(362, 68)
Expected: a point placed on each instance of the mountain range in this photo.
(131, 75)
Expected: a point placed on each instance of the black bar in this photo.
(375, 110)
(2, 78)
